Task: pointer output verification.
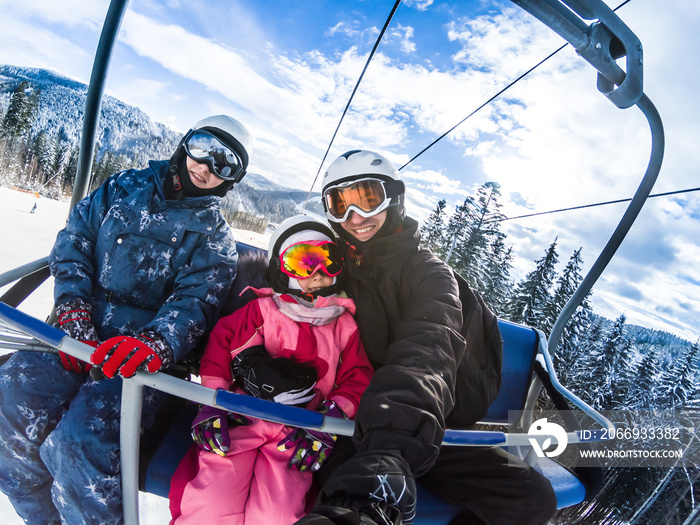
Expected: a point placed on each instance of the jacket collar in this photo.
(339, 299)
(386, 250)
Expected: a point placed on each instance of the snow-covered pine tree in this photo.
(433, 231)
(570, 348)
(679, 383)
(42, 152)
(58, 163)
(70, 171)
(483, 220)
(602, 369)
(623, 370)
(498, 285)
(642, 392)
(531, 297)
(566, 285)
(456, 227)
(19, 116)
(60, 158)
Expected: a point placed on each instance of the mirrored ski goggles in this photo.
(365, 196)
(221, 159)
(303, 259)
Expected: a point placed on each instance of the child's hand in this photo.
(210, 429)
(312, 446)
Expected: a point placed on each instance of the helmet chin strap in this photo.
(174, 182)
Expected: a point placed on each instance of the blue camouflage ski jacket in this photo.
(144, 262)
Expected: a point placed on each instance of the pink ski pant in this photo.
(252, 485)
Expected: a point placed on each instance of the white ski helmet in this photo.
(364, 164)
(289, 227)
(284, 236)
(232, 133)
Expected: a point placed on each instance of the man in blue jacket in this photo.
(142, 270)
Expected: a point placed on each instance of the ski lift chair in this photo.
(527, 362)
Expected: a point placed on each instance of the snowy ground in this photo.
(26, 237)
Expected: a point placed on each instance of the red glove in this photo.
(125, 355)
(75, 319)
(73, 364)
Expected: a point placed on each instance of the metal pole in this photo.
(110, 29)
(630, 215)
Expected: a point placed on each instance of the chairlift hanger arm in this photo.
(600, 43)
(93, 100)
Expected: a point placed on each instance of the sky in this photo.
(287, 68)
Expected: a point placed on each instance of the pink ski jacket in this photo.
(324, 336)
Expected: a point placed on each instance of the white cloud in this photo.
(26, 45)
(404, 35)
(420, 5)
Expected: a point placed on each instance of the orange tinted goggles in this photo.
(365, 196)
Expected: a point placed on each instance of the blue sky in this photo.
(287, 68)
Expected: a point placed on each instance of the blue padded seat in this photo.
(520, 345)
(568, 488)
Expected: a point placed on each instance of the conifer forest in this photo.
(608, 364)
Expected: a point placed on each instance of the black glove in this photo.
(275, 379)
(376, 486)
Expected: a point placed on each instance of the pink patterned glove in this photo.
(210, 429)
(312, 446)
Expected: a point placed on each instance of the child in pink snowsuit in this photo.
(254, 472)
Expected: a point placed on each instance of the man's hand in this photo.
(73, 364)
(125, 355)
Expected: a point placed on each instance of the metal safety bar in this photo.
(15, 274)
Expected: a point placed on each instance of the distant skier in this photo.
(33, 208)
(141, 270)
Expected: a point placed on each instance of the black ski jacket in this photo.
(410, 318)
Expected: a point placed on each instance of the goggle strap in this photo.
(394, 188)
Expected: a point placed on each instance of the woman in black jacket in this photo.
(435, 348)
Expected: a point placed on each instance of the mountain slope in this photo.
(127, 130)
